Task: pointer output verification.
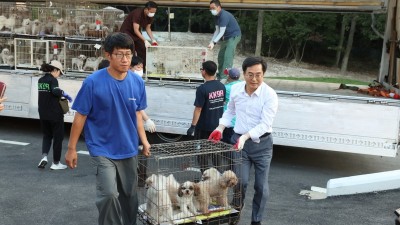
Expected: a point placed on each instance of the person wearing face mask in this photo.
(138, 19)
(227, 31)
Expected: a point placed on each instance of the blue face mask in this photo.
(214, 12)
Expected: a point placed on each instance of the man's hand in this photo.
(211, 46)
(67, 96)
(190, 131)
(150, 126)
(240, 142)
(147, 43)
(154, 43)
(216, 135)
(71, 158)
(146, 149)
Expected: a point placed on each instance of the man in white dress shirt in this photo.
(255, 104)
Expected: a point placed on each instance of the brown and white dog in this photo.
(185, 200)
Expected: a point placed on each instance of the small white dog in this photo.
(25, 28)
(158, 203)
(11, 21)
(2, 21)
(36, 27)
(83, 29)
(5, 55)
(60, 27)
(185, 199)
(78, 62)
(211, 173)
(92, 62)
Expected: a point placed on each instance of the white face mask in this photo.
(151, 14)
(139, 72)
(214, 12)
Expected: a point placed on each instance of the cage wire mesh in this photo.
(180, 189)
(6, 51)
(83, 55)
(175, 62)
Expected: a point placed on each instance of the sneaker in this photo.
(58, 166)
(42, 163)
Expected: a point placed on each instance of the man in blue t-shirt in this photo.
(108, 108)
(228, 31)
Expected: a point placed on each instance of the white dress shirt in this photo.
(255, 113)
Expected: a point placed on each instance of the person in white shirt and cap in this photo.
(255, 104)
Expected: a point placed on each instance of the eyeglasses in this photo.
(121, 55)
(257, 76)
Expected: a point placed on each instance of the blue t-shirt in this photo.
(110, 106)
(226, 19)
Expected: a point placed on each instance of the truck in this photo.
(339, 121)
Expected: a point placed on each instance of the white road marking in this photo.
(13, 142)
(83, 152)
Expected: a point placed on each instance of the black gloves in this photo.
(190, 131)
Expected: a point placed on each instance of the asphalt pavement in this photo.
(41, 196)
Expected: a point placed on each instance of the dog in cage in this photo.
(60, 27)
(83, 29)
(2, 21)
(6, 56)
(78, 62)
(92, 62)
(158, 204)
(210, 173)
(36, 27)
(185, 199)
(10, 22)
(25, 27)
(202, 196)
(228, 179)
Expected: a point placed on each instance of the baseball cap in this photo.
(58, 65)
(233, 73)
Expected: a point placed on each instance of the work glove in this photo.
(150, 126)
(211, 46)
(147, 43)
(67, 96)
(190, 131)
(216, 135)
(240, 142)
(154, 43)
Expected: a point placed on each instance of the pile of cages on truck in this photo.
(326, 121)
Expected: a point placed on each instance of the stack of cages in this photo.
(181, 191)
(11, 19)
(94, 21)
(32, 53)
(49, 20)
(83, 55)
(184, 65)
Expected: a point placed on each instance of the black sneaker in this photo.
(42, 163)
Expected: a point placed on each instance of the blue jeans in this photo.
(116, 196)
(259, 155)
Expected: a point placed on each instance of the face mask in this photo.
(139, 72)
(214, 12)
(151, 14)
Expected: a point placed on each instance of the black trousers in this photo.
(53, 133)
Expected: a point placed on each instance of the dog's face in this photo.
(5, 51)
(150, 181)
(82, 57)
(36, 22)
(228, 179)
(26, 22)
(210, 174)
(186, 189)
(60, 21)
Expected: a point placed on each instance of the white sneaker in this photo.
(58, 166)
(42, 163)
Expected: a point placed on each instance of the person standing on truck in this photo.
(108, 107)
(209, 107)
(254, 104)
(51, 114)
(133, 24)
(228, 31)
